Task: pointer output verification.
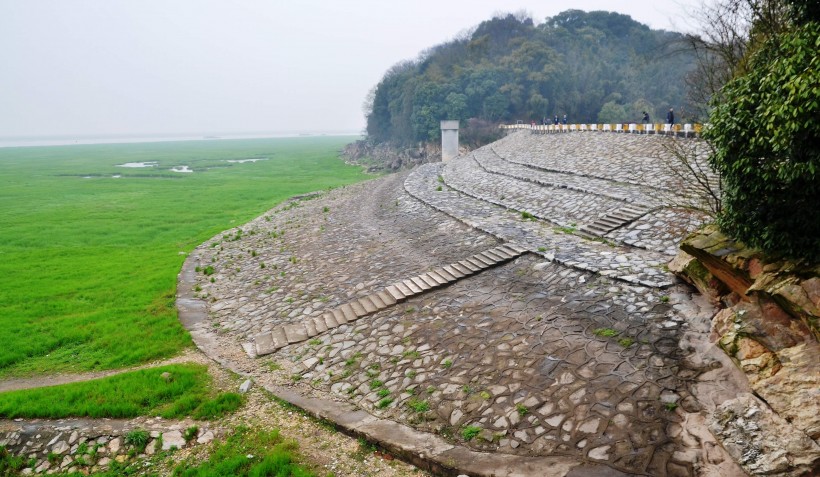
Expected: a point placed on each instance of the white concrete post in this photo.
(449, 140)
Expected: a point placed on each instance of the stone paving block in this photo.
(350, 315)
(358, 308)
(310, 326)
(263, 344)
(509, 250)
(369, 306)
(608, 220)
(319, 323)
(446, 275)
(457, 270)
(423, 286)
(411, 285)
(393, 291)
(405, 290)
(376, 299)
(480, 264)
(488, 258)
(426, 278)
(339, 316)
(438, 278)
(468, 266)
(279, 338)
(295, 332)
(330, 320)
(387, 298)
(498, 255)
(501, 253)
(515, 247)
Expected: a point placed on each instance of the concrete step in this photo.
(280, 336)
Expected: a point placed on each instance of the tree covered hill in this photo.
(593, 67)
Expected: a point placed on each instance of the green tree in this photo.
(508, 68)
(766, 136)
(456, 106)
(612, 113)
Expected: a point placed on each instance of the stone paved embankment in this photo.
(585, 349)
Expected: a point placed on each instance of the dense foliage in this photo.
(767, 141)
(593, 67)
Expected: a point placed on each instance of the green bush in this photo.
(766, 134)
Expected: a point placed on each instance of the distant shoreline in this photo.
(40, 141)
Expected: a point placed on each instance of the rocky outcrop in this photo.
(769, 327)
(388, 158)
(761, 441)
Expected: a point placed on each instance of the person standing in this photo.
(645, 117)
(555, 119)
(670, 117)
(565, 119)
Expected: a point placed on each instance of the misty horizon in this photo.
(119, 68)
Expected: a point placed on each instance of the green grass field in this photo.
(186, 392)
(88, 262)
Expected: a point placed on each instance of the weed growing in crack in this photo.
(469, 432)
(418, 405)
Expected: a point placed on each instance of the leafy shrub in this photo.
(766, 135)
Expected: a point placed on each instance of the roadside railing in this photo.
(684, 130)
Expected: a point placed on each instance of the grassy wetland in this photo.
(90, 250)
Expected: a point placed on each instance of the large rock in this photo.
(794, 391)
(794, 287)
(769, 328)
(762, 442)
(764, 321)
(692, 271)
(719, 255)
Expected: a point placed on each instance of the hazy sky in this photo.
(83, 67)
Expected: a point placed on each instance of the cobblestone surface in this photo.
(628, 168)
(628, 158)
(574, 349)
(554, 243)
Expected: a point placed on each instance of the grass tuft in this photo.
(248, 453)
(469, 432)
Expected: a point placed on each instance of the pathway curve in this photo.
(584, 354)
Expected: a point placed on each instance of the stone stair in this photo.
(613, 220)
(280, 336)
